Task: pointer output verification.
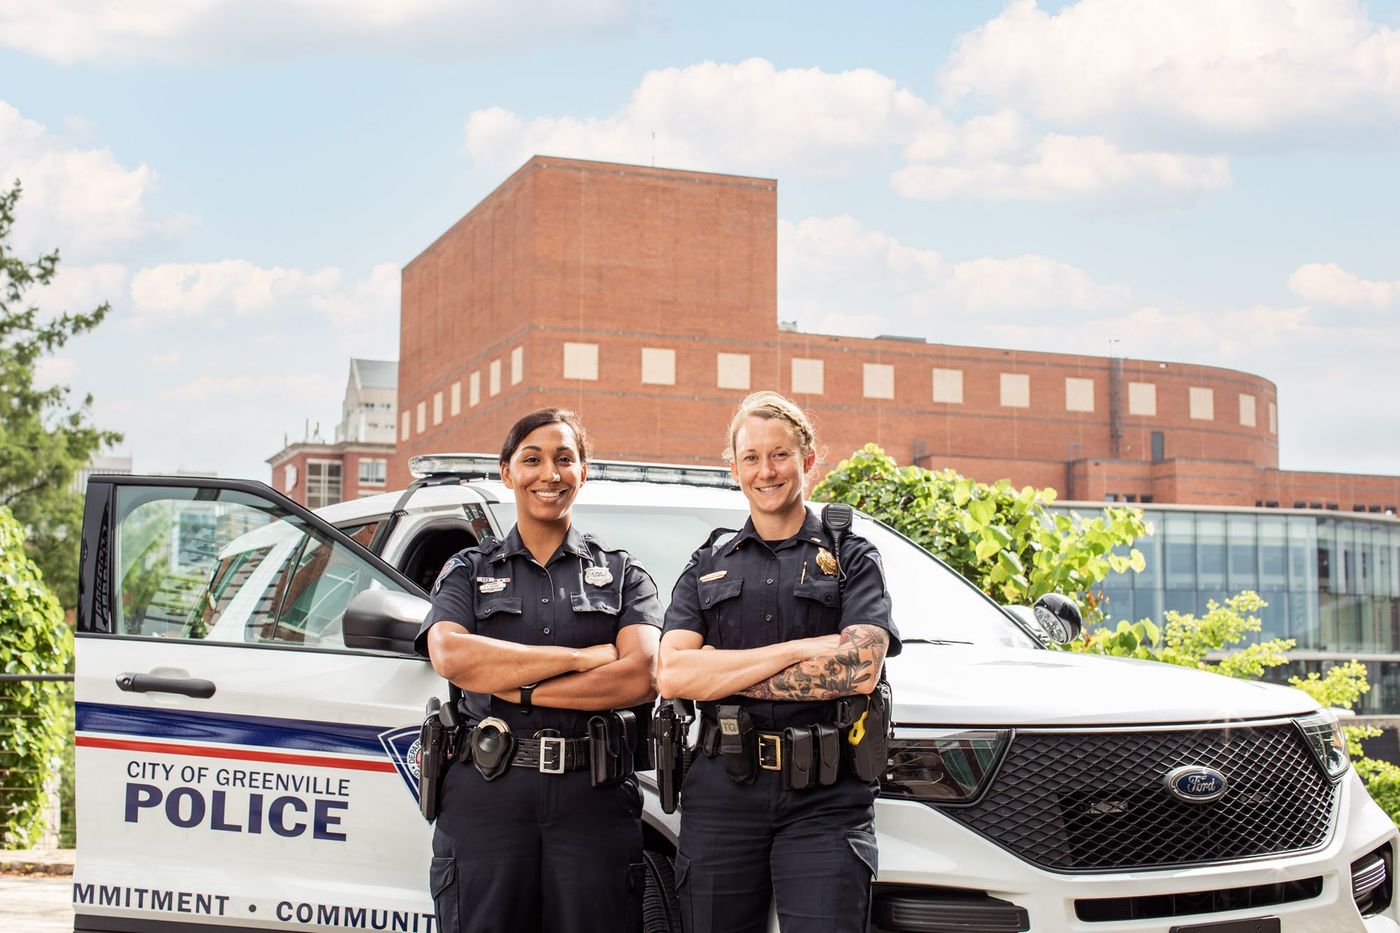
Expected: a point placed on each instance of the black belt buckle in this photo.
(770, 752)
(551, 751)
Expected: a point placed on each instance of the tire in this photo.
(661, 909)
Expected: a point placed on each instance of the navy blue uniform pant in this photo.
(537, 853)
(812, 851)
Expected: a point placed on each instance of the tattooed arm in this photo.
(851, 667)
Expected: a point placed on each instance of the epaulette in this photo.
(595, 540)
(719, 538)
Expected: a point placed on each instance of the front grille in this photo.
(1095, 801)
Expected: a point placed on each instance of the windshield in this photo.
(929, 600)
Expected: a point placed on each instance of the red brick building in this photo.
(646, 299)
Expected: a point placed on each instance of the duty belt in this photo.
(545, 753)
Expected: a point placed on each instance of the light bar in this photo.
(487, 466)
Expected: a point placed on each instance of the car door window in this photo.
(231, 569)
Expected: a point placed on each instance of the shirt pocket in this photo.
(596, 613)
(720, 604)
(497, 616)
(817, 605)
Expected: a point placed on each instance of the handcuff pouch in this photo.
(491, 747)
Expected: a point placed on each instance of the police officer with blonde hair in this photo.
(780, 642)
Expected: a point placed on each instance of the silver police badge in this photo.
(597, 576)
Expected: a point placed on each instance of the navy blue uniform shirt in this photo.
(584, 595)
(739, 591)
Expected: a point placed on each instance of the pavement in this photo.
(36, 891)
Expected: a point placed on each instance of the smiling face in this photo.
(771, 469)
(545, 471)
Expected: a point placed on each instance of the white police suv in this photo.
(248, 704)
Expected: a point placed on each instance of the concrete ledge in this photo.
(37, 862)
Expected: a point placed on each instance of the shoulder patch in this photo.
(453, 562)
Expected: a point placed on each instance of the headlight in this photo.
(943, 765)
(1327, 741)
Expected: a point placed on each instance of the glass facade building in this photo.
(1332, 582)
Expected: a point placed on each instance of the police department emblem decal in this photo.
(402, 747)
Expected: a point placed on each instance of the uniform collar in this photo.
(574, 543)
(810, 531)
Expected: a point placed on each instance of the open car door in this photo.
(247, 713)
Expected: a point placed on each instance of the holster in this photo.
(613, 737)
(433, 760)
(737, 744)
(868, 736)
(669, 726)
(828, 741)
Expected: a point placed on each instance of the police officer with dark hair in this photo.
(552, 635)
(783, 644)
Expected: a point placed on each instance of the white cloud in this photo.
(834, 269)
(1057, 167)
(204, 31)
(752, 117)
(80, 289)
(235, 286)
(1236, 67)
(1329, 284)
(80, 199)
(746, 116)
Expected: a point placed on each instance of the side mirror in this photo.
(383, 620)
(1059, 617)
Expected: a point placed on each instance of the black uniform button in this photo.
(544, 599)
(545, 630)
(768, 617)
(707, 600)
(770, 579)
(827, 598)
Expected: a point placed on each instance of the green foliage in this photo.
(44, 439)
(33, 715)
(1006, 540)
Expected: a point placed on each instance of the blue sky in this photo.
(1176, 179)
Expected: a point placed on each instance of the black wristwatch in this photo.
(526, 691)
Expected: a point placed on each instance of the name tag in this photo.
(711, 577)
(491, 584)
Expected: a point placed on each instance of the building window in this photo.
(1273, 418)
(947, 386)
(1247, 410)
(437, 408)
(517, 365)
(732, 371)
(1159, 447)
(1142, 399)
(289, 478)
(1015, 390)
(374, 472)
(405, 422)
(422, 417)
(1079, 394)
(581, 361)
(495, 377)
(456, 396)
(658, 367)
(1202, 404)
(878, 381)
(474, 390)
(808, 376)
(323, 482)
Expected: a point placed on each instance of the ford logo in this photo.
(1196, 783)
